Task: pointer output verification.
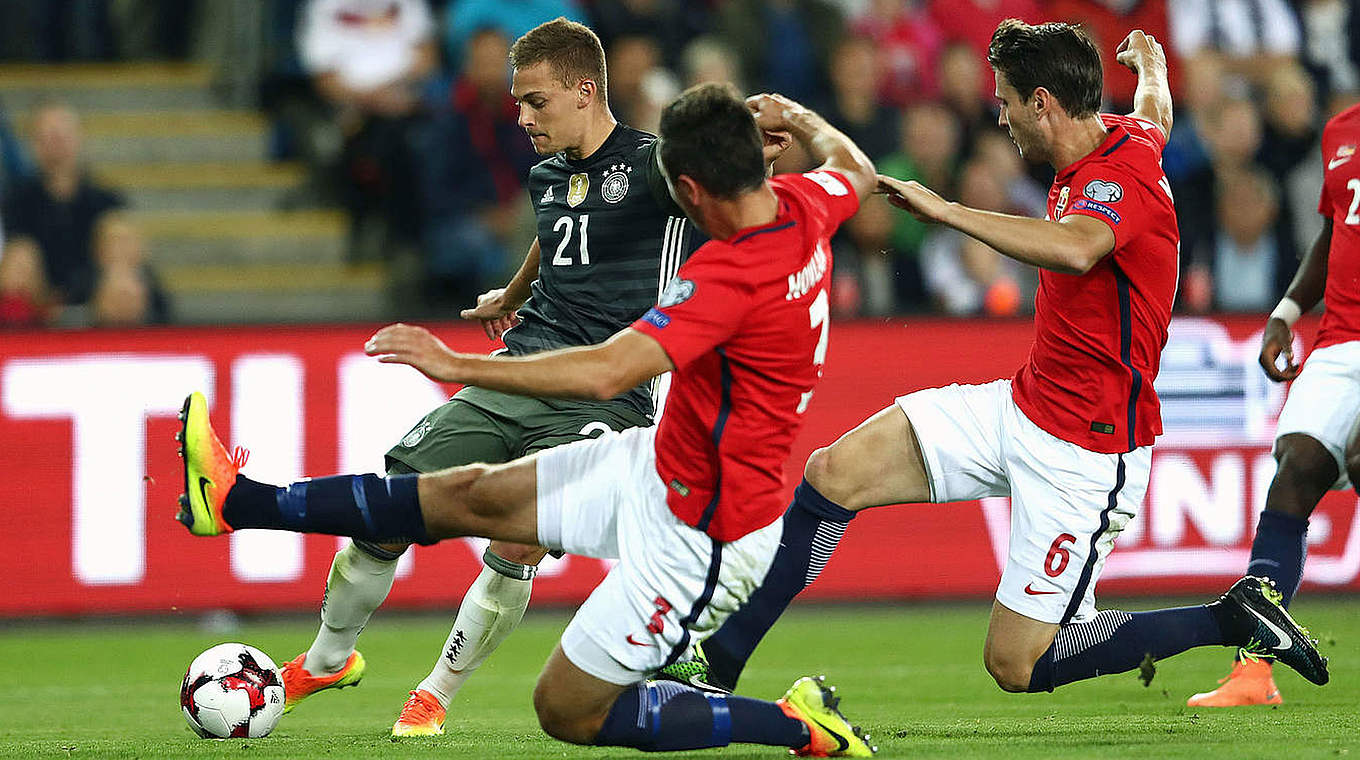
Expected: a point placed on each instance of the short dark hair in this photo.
(572, 49)
(709, 134)
(1056, 56)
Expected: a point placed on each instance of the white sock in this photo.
(357, 585)
(491, 609)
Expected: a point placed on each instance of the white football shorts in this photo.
(673, 584)
(1324, 402)
(1067, 503)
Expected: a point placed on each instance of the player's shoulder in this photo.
(1347, 120)
(811, 188)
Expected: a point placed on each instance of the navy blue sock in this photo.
(1115, 641)
(813, 527)
(362, 506)
(1278, 551)
(664, 716)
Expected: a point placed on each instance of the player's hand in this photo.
(1139, 50)
(775, 142)
(923, 203)
(1278, 339)
(417, 347)
(494, 311)
(773, 112)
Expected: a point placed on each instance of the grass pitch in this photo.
(911, 674)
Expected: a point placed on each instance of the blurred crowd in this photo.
(401, 110)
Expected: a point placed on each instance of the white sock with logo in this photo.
(357, 585)
(492, 607)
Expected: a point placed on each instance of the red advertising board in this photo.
(88, 473)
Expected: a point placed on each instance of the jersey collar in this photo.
(1114, 140)
(614, 136)
(782, 220)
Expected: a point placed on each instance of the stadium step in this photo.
(107, 86)
(227, 186)
(162, 136)
(277, 293)
(244, 237)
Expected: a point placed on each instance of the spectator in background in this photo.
(908, 44)
(15, 165)
(24, 299)
(1108, 22)
(854, 107)
(962, 274)
(1253, 37)
(865, 269)
(511, 18)
(59, 213)
(368, 59)
(638, 86)
(474, 161)
(972, 23)
(786, 45)
(708, 59)
(670, 23)
(1330, 28)
(1291, 154)
(962, 74)
(1247, 254)
(127, 292)
(927, 152)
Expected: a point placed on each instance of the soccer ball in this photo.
(232, 690)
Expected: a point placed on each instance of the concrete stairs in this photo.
(202, 190)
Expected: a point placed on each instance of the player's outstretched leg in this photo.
(1249, 616)
(1306, 470)
(659, 716)
(492, 607)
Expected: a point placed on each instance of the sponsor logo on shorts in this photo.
(411, 439)
(1099, 208)
(655, 317)
(1029, 589)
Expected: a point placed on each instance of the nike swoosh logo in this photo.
(203, 484)
(1335, 162)
(1029, 589)
(1284, 641)
(844, 745)
(629, 639)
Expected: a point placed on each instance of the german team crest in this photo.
(615, 185)
(1061, 205)
(417, 433)
(577, 187)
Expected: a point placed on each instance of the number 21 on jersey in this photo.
(567, 225)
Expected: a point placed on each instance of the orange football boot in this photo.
(1250, 683)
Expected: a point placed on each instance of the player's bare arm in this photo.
(1152, 99)
(1305, 291)
(598, 372)
(1072, 245)
(824, 143)
(495, 308)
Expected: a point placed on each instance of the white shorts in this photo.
(1324, 402)
(673, 585)
(1067, 503)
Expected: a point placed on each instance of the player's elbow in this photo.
(1080, 255)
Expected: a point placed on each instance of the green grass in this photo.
(911, 674)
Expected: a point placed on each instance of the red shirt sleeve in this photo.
(702, 307)
(1106, 192)
(827, 190)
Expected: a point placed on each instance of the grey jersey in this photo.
(611, 238)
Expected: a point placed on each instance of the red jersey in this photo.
(1340, 202)
(1099, 336)
(745, 323)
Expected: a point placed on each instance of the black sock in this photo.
(813, 527)
(367, 507)
(1278, 551)
(666, 716)
(1115, 641)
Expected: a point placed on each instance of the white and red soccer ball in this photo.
(232, 691)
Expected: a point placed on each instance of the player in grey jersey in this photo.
(609, 239)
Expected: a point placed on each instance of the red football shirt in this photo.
(1099, 336)
(1340, 202)
(745, 323)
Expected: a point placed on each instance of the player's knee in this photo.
(1306, 470)
(1011, 672)
(520, 554)
(827, 472)
(560, 721)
